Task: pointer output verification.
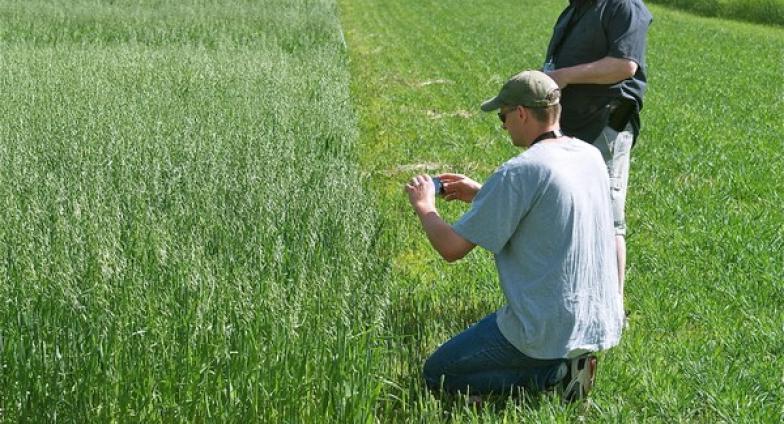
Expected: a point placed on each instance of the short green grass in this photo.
(706, 224)
(760, 11)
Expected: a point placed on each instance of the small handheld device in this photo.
(439, 186)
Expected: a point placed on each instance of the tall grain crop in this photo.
(184, 233)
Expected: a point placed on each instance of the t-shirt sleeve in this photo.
(496, 211)
(626, 25)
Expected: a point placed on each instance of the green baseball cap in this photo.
(528, 88)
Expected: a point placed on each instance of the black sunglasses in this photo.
(502, 115)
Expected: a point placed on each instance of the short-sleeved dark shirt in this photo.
(587, 31)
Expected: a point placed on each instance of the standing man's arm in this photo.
(625, 26)
(607, 70)
(450, 245)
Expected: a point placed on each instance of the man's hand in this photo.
(559, 76)
(459, 187)
(422, 194)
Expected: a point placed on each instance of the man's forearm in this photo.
(450, 245)
(607, 70)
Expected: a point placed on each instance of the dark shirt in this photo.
(587, 31)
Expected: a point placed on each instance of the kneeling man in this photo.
(546, 215)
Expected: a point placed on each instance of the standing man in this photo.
(547, 218)
(597, 57)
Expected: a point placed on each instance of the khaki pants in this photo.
(616, 150)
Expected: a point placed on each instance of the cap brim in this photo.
(492, 104)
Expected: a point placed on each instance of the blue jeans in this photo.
(480, 360)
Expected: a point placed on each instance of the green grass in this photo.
(760, 11)
(704, 280)
(175, 246)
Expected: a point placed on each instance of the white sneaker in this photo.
(579, 379)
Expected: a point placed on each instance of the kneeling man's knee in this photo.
(432, 373)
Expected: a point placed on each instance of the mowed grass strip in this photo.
(760, 11)
(706, 227)
(185, 236)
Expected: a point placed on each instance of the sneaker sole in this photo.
(579, 388)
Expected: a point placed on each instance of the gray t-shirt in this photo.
(547, 217)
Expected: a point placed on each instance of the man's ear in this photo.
(522, 113)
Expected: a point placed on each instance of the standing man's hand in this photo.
(559, 76)
(459, 187)
(422, 194)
